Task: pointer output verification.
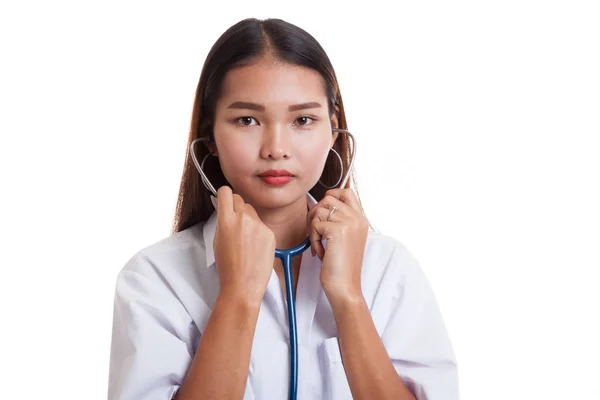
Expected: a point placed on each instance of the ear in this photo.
(334, 119)
(334, 124)
(334, 137)
(213, 149)
(212, 146)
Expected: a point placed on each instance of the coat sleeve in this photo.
(415, 335)
(150, 349)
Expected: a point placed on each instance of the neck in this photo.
(287, 223)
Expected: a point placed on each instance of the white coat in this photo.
(166, 291)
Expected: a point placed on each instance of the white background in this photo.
(478, 126)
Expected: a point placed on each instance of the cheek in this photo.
(312, 157)
(236, 158)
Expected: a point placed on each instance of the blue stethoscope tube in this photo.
(286, 259)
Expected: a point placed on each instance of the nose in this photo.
(276, 143)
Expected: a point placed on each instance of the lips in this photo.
(276, 177)
(275, 173)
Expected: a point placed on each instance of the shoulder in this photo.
(395, 284)
(389, 269)
(386, 255)
(170, 260)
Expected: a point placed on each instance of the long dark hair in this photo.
(240, 45)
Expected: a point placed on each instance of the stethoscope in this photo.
(285, 255)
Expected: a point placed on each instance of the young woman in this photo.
(202, 313)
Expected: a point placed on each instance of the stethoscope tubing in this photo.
(286, 259)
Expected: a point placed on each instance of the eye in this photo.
(245, 121)
(304, 120)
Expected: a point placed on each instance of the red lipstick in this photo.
(276, 177)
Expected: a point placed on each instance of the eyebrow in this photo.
(244, 105)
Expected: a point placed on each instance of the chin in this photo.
(265, 196)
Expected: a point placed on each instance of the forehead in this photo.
(273, 82)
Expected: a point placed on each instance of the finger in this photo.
(238, 203)
(347, 196)
(309, 219)
(329, 201)
(323, 208)
(315, 238)
(250, 210)
(325, 214)
(322, 230)
(224, 201)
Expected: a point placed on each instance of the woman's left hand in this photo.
(346, 235)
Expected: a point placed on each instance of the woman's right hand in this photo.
(244, 248)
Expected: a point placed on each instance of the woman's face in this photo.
(272, 116)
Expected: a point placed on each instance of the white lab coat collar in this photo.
(211, 225)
